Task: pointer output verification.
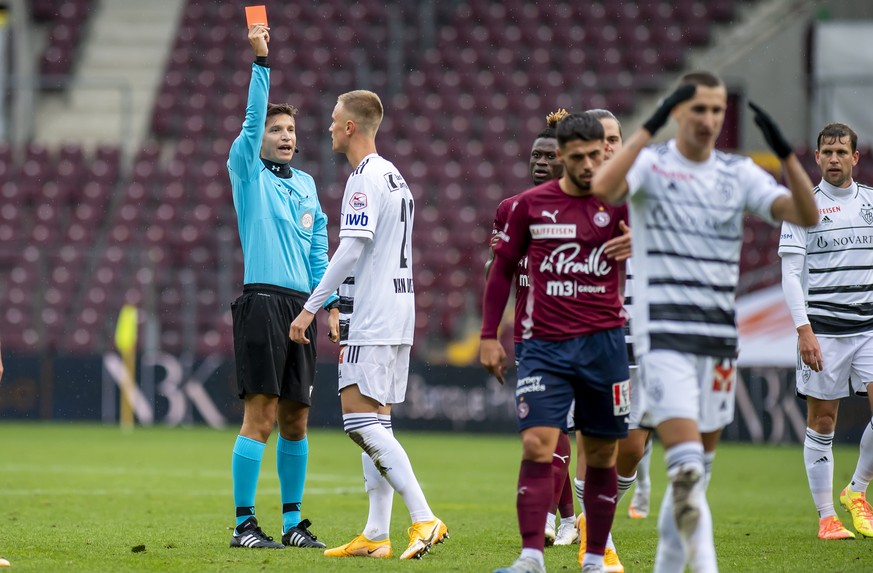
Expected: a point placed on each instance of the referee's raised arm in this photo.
(246, 149)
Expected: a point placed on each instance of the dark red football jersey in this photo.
(521, 281)
(573, 286)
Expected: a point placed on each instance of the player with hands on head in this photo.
(372, 267)
(771, 132)
(687, 201)
(834, 329)
(283, 232)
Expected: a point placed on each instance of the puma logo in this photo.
(610, 499)
(552, 216)
(564, 459)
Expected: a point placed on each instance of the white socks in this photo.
(864, 470)
(699, 550)
(708, 460)
(624, 484)
(579, 488)
(380, 492)
(534, 554)
(643, 480)
(818, 457)
(390, 459)
(670, 554)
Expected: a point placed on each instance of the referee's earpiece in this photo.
(296, 150)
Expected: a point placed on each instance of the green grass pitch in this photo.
(91, 498)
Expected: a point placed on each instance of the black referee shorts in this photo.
(267, 361)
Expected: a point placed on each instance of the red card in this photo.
(256, 15)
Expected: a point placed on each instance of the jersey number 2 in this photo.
(405, 219)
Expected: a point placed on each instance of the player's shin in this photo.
(535, 490)
(599, 506)
(670, 554)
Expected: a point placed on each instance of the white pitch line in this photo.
(142, 492)
(7, 469)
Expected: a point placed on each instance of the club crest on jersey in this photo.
(654, 389)
(358, 201)
(306, 220)
(601, 218)
(725, 189)
(867, 213)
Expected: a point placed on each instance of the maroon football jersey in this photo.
(500, 219)
(573, 286)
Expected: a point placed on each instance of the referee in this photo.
(283, 232)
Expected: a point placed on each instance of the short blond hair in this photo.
(365, 108)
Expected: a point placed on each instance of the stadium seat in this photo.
(459, 124)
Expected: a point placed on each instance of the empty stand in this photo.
(460, 117)
(65, 21)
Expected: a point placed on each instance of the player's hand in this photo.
(771, 132)
(619, 248)
(299, 326)
(493, 357)
(809, 348)
(333, 325)
(259, 36)
(1, 368)
(662, 114)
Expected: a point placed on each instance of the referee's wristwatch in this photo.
(333, 305)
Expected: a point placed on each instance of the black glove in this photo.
(662, 114)
(771, 132)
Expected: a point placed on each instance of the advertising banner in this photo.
(173, 391)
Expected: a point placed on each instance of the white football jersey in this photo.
(838, 270)
(377, 302)
(687, 221)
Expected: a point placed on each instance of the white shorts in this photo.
(380, 372)
(677, 385)
(635, 420)
(848, 368)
